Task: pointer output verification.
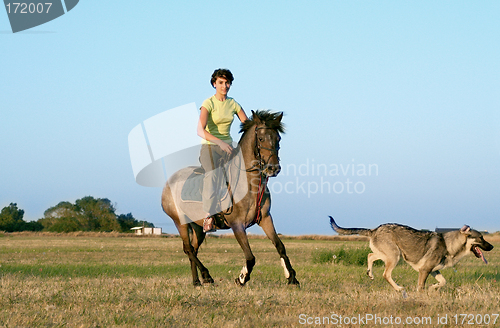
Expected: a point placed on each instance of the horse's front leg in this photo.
(241, 237)
(267, 225)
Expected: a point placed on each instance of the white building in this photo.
(146, 231)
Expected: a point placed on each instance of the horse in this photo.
(258, 148)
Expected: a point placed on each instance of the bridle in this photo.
(262, 164)
(260, 161)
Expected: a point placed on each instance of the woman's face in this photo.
(222, 86)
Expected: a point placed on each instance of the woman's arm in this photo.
(242, 116)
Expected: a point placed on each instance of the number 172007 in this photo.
(28, 8)
(478, 319)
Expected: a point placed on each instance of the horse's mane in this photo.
(267, 117)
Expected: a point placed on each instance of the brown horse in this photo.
(258, 152)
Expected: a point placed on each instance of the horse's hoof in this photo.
(196, 283)
(294, 282)
(208, 285)
(238, 282)
(207, 278)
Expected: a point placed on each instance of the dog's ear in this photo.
(465, 230)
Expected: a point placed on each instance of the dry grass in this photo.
(90, 281)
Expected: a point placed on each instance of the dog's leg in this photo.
(372, 257)
(422, 277)
(390, 256)
(390, 264)
(439, 277)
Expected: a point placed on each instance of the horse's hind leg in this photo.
(191, 253)
(197, 239)
(241, 237)
(169, 207)
(267, 225)
(194, 268)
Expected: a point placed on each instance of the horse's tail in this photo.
(349, 231)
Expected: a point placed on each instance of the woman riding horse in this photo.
(257, 160)
(216, 116)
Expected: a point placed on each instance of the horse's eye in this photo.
(261, 139)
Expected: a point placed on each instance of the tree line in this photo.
(85, 214)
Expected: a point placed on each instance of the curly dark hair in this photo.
(224, 73)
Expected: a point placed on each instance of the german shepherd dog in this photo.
(427, 252)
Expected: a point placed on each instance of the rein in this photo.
(261, 163)
(260, 196)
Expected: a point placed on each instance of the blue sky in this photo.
(410, 88)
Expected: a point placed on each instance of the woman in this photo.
(216, 116)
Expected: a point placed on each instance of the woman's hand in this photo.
(225, 146)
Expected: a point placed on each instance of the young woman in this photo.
(216, 116)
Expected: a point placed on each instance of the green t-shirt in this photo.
(220, 117)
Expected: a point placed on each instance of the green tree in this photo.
(32, 226)
(61, 218)
(65, 224)
(97, 214)
(127, 221)
(88, 214)
(60, 210)
(11, 219)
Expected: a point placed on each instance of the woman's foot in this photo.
(208, 224)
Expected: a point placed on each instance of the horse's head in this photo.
(267, 127)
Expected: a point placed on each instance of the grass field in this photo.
(106, 280)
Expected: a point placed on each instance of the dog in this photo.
(427, 252)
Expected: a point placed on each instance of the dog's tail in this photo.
(349, 231)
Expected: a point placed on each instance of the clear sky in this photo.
(404, 92)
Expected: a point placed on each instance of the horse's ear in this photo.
(465, 229)
(255, 118)
(279, 118)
